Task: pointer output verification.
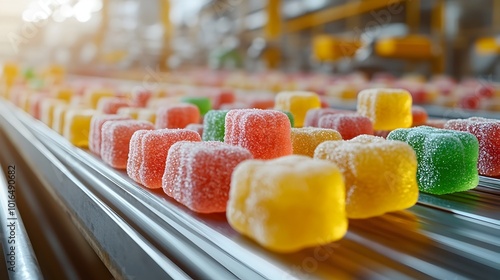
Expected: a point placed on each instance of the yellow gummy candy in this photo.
(288, 203)
(306, 139)
(388, 109)
(92, 97)
(380, 175)
(77, 126)
(297, 103)
(63, 94)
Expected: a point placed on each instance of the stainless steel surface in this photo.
(447, 237)
(20, 259)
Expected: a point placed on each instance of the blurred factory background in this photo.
(454, 37)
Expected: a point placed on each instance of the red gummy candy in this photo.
(116, 139)
(95, 136)
(419, 115)
(487, 132)
(313, 115)
(198, 174)
(348, 125)
(265, 133)
(177, 116)
(155, 147)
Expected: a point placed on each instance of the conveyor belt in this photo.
(144, 234)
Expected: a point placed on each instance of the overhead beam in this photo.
(352, 8)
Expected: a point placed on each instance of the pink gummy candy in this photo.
(140, 98)
(116, 139)
(177, 116)
(313, 115)
(348, 125)
(265, 133)
(110, 105)
(198, 174)
(96, 124)
(135, 155)
(35, 102)
(155, 146)
(487, 132)
(195, 127)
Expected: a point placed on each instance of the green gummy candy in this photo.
(447, 159)
(290, 117)
(29, 74)
(203, 103)
(214, 125)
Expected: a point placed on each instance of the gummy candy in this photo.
(297, 103)
(95, 130)
(380, 175)
(214, 125)
(289, 203)
(77, 126)
(447, 159)
(306, 139)
(348, 125)
(487, 132)
(198, 174)
(265, 133)
(388, 109)
(154, 149)
(115, 140)
(177, 116)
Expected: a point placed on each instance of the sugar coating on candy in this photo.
(306, 139)
(265, 133)
(177, 116)
(115, 141)
(380, 175)
(135, 155)
(203, 103)
(297, 103)
(198, 174)
(388, 109)
(487, 132)
(155, 146)
(289, 203)
(214, 125)
(290, 117)
(419, 115)
(348, 125)
(77, 126)
(95, 130)
(110, 105)
(313, 115)
(447, 159)
(198, 127)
